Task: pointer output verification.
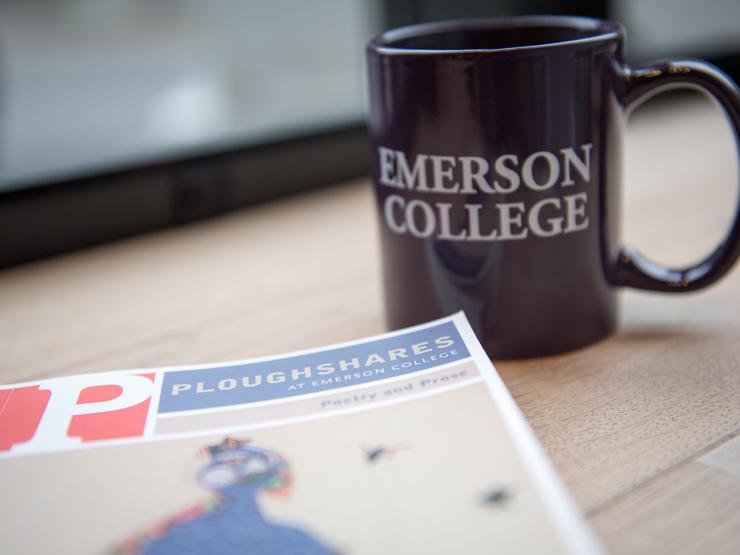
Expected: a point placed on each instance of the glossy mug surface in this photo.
(496, 157)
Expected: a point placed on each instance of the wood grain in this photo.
(625, 421)
(693, 508)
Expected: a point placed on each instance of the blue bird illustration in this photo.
(231, 523)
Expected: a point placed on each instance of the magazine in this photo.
(403, 443)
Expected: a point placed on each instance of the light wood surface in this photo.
(642, 427)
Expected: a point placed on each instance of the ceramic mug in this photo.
(496, 157)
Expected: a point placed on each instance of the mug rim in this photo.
(603, 30)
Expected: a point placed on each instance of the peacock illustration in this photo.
(231, 522)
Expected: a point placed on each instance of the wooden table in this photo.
(643, 427)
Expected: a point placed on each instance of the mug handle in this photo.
(633, 269)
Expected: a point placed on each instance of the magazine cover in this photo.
(403, 443)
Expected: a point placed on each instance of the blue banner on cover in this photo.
(313, 372)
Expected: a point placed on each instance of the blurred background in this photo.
(120, 117)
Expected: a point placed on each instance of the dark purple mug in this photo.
(496, 157)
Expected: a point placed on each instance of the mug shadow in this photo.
(658, 333)
(627, 341)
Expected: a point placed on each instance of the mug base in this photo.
(516, 350)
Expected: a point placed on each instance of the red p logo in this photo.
(61, 413)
